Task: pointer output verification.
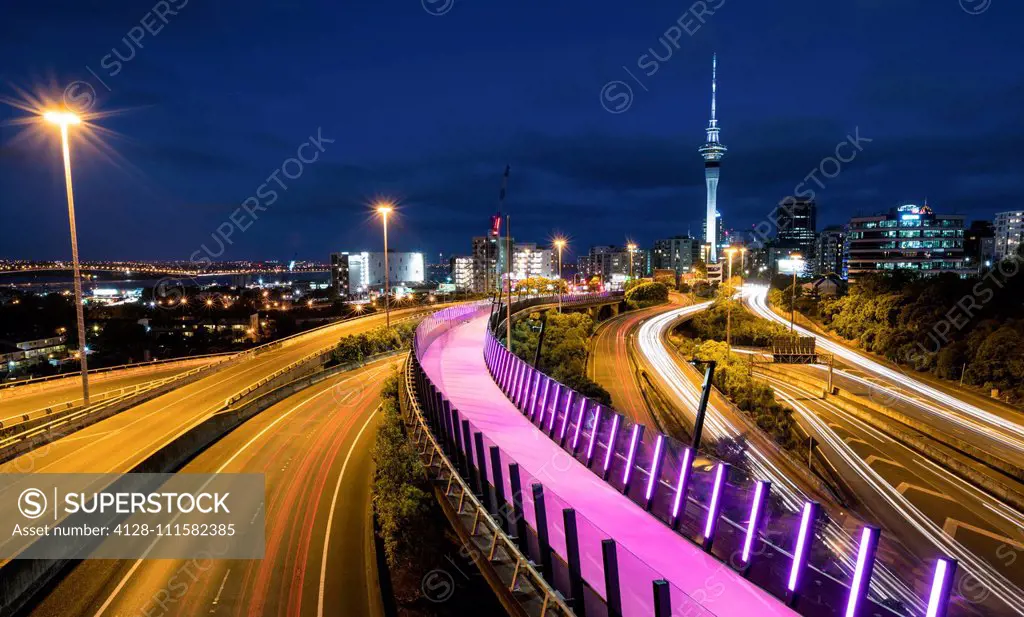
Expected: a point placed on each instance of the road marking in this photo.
(138, 562)
(856, 440)
(905, 486)
(952, 525)
(330, 516)
(873, 459)
(216, 598)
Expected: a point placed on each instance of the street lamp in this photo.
(63, 119)
(728, 319)
(630, 247)
(559, 244)
(798, 262)
(384, 210)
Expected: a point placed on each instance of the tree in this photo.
(647, 294)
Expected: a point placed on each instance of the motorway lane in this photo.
(921, 505)
(14, 402)
(992, 426)
(609, 364)
(120, 442)
(315, 449)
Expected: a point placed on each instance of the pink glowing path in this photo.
(648, 550)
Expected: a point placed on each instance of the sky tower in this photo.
(712, 151)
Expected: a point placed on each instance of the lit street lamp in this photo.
(559, 244)
(630, 247)
(798, 262)
(63, 119)
(384, 210)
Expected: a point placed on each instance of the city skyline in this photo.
(177, 153)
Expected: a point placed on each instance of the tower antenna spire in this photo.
(714, 88)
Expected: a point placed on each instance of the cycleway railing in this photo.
(707, 501)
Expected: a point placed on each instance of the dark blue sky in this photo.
(428, 109)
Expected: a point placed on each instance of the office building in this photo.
(463, 273)
(677, 253)
(797, 222)
(1009, 233)
(357, 274)
(980, 244)
(911, 238)
(528, 261)
(828, 251)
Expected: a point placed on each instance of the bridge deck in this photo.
(455, 363)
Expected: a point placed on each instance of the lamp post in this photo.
(797, 264)
(384, 210)
(630, 247)
(559, 244)
(63, 119)
(728, 319)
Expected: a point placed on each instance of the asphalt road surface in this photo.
(315, 449)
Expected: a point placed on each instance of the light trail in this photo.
(650, 341)
(980, 570)
(977, 420)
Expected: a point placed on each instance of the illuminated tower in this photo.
(712, 151)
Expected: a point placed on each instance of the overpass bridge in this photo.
(623, 520)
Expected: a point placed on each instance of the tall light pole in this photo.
(384, 210)
(63, 119)
(797, 264)
(630, 247)
(728, 319)
(559, 244)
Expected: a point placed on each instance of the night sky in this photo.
(427, 109)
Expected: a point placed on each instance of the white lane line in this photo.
(138, 562)
(330, 516)
(216, 598)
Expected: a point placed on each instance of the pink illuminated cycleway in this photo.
(648, 549)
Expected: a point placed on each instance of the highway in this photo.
(924, 507)
(763, 459)
(610, 366)
(315, 449)
(120, 442)
(998, 429)
(35, 399)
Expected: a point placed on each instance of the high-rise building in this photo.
(909, 237)
(980, 244)
(1009, 232)
(677, 253)
(528, 261)
(828, 252)
(610, 263)
(462, 272)
(356, 274)
(712, 151)
(797, 221)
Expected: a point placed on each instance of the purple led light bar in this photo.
(633, 441)
(862, 574)
(524, 385)
(531, 403)
(716, 500)
(756, 508)
(593, 434)
(565, 416)
(942, 584)
(803, 545)
(611, 443)
(544, 400)
(655, 465)
(579, 425)
(554, 408)
(684, 480)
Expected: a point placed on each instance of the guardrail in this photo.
(35, 381)
(500, 549)
(707, 501)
